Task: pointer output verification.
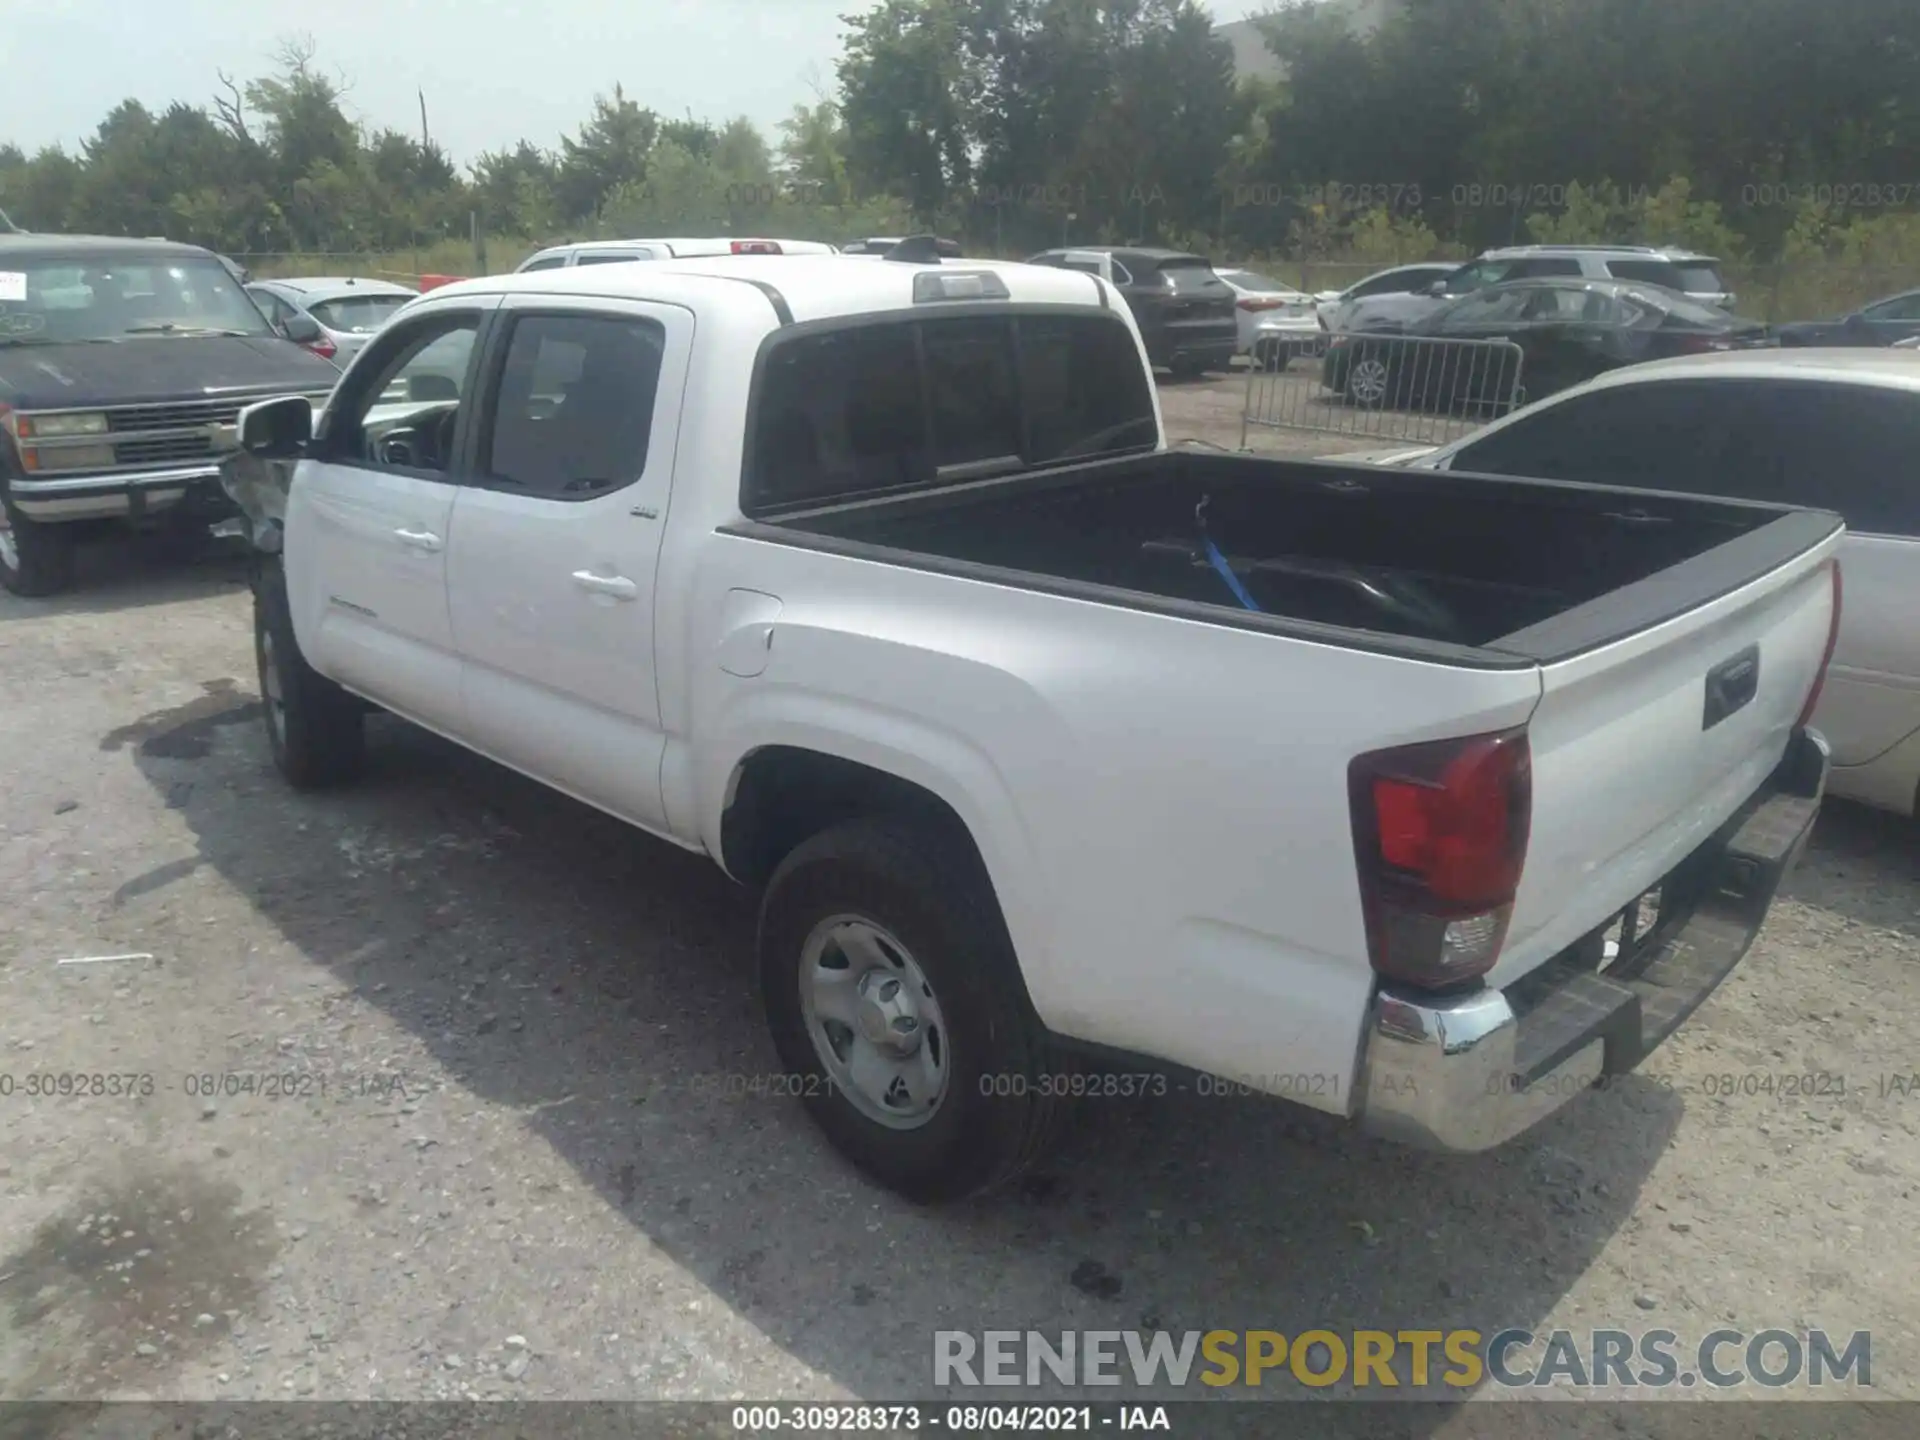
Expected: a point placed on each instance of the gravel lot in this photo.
(503, 1165)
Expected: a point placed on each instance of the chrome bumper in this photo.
(1469, 1072)
(127, 492)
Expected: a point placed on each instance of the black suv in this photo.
(1185, 311)
(123, 366)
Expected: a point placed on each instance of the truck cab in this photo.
(123, 366)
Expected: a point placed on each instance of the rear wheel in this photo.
(316, 730)
(35, 559)
(896, 1004)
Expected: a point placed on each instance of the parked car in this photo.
(1276, 321)
(1400, 280)
(1884, 322)
(1029, 730)
(616, 252)
(1566, 330)
(1184, 309)
(1799, 427)
(348, 309)
(120, 361)
(880, 244)
(1691, 274)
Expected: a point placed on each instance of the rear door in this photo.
(1852, 448)
(556, 541)
(366, 559)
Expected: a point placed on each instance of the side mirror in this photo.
(1855, 321)
(1437, 289)
(428, 388)
(276, 429)
(301, 329)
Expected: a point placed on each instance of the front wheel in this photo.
(896, 1005)
(36, 560)
(316, 730)
(1369, 378)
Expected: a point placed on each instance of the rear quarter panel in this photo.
(1161, 803)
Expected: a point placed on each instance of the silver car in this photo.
(348, 309)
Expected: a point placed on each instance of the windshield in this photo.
(61, 301)
(357, 314)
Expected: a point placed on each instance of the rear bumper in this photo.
(1470, 1072)
(132, 492)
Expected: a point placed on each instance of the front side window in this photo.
(63, 301)
(545, 262)
(1469, 278)
(573, 411)
(1491, 307)
(403, 414)
(881, 406)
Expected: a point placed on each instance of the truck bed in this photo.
(1522, 569)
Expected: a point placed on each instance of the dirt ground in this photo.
(434, 1113)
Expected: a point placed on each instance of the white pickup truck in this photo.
(1063, 763)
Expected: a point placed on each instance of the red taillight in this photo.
(1826, 659)
(756, 247)
(324, 348)
(1440, 834)
(1250, 302)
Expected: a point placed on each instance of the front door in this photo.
(366, 561)
(556, 541)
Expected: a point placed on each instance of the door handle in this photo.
(418, 539)
(618, 586)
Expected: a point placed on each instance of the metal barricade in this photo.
(1420, 389)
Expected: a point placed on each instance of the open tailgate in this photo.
(1643, 745)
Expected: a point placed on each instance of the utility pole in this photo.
(426, 140)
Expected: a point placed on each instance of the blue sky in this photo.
(493, 70)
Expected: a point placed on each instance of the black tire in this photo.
(930, 891)
(316, 730)
(36, 560)
(1187, 369)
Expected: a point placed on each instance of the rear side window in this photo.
(880, 407)
(573, 410)
(1649, 272)
(613, 259)
(1848, 448)
(1698, 278)
(545, 262)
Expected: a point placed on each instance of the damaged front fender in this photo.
(259, 487)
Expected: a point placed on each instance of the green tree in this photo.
(610, 151)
